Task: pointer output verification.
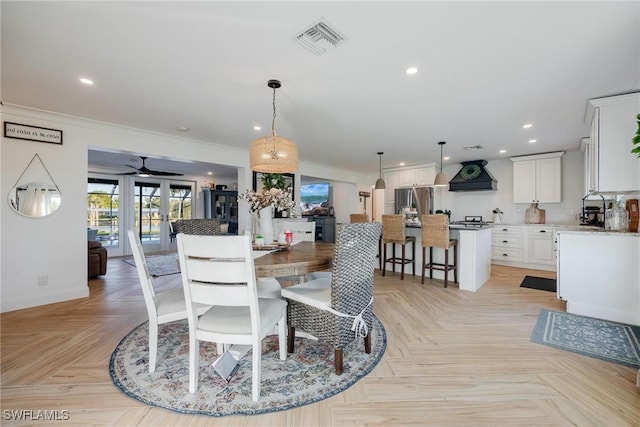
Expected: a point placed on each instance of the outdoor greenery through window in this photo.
(103, 198)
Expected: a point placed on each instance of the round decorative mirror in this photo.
(36, 194)
(34, 199)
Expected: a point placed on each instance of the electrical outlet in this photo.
(43, 280)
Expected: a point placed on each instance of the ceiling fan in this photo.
(144, 171)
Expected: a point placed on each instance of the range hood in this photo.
(473, 177)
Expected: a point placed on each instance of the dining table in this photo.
(297, 259)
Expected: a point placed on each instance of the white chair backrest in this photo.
(302, 231)
(218, 270)
(143, 272)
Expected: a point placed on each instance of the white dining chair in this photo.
(162, 307)
(220, 270)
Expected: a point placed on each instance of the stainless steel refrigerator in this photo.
(420, 198)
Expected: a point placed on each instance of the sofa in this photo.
(97, 259)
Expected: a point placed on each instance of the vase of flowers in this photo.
(262, 206)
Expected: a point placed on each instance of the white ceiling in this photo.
(485, 69)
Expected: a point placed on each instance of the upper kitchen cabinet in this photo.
(419, 176)
(612, 166)
(391, 182)
(537, 178)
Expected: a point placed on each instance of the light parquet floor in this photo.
(453, 358)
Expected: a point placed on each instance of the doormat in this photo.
(159, 265)
(540, 283)
(601, 339)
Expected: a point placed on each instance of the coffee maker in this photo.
(593, 215)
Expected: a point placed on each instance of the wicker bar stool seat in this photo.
(358, 218)
(200, 226)
(435, 233)
(393, 231)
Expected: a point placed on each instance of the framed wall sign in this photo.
(32, 133)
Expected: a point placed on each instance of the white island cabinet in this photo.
(599, 274)
(474, 256)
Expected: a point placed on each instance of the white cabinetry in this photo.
(613, 168)
(506, 244)
(391, 182)
(598, 274)
(524, 246)
(537, 178)
(419, 176)
(541, 246)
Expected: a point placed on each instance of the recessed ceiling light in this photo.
(527, 126)
(86, 81)
(411, 70)
(402, 163)
(257, 128)
(209, 173)
(445, 158)
(502, 151)
(183, 128)
(531, 141)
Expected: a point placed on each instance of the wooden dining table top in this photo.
(296, 260)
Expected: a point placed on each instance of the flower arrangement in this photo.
(280, 199)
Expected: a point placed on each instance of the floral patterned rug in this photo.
(602, 339)
(307, 375)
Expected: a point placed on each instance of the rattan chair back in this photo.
(355, 218)
(435, 231)
(202, 227)
(393, 229)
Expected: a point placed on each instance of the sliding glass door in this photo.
(156, 204)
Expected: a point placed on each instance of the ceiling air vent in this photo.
(320, 37)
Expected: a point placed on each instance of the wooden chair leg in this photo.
(413, 255)
(403, 251)
(431, 262)
(337, 354)
(446, 267)
(393, 257)
(423, 267)
(291, 339)
(367, 343)
(383, 261)
(455, 263)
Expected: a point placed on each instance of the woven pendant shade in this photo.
(273, 154)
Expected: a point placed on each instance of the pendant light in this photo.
(380, 185)
(273, 153)
(441, 179)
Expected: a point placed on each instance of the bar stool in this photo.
(435, 233)
(393, 232)
(358, 217)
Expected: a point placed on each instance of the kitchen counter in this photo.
(474, 255)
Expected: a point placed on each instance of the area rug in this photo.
(602, 339)
(540, 283)
(159, 265)
(307, 376)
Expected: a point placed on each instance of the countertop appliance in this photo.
(471, 221)
(413, 202)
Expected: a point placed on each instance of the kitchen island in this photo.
(599, 274)
(474, 255)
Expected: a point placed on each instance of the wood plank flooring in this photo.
(453, 358)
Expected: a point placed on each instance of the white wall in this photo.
(56, 246)
(483, 202)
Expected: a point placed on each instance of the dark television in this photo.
(315, 199)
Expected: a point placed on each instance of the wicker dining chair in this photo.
(200, 226)
(326, 308)
(435, 233)
(393, 231)
(358, 217)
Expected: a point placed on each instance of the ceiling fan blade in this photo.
(128, 173)
(161, 173)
